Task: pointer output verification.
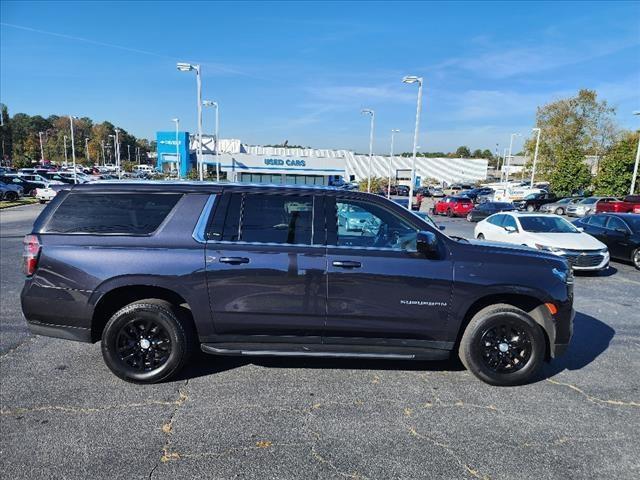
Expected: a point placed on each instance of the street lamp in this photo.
(104, 160)
(187, 67)
(177, 122)
(209, 103)
(409, 80)
(86, 149)
(66, 160)
(509, 157)
(41, 147)
(393, 133)
(73, 149)
(535, 155)
(635, 166)
(372, 113)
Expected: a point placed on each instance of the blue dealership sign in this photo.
(168, 156)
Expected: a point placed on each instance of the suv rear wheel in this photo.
(503, 345)
(146, 342)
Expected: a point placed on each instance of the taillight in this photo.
(31, 253)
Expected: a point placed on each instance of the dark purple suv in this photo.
(157, 270)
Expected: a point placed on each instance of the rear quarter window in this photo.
(114, 213)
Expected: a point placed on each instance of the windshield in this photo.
(540, 224)
(426, 218)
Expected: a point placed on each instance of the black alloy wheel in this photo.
(505, 348)
(147, 341)
(503, 345)
(143, 345)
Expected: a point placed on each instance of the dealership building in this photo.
(306, 166)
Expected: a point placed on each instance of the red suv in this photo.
(453, 206)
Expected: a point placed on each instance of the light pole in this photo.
(66, 160)
(414, 79)
(73, 150)
(535, 155)
(635, 166)
(104, 160)
(393, 133)
(128, 152)
(86, 149)
(41, 147)
(187, 67)
(177, 122)
(509, 157)
(372, 113)
(209, 103)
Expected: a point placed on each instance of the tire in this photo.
(559, 211)
(469, 217)
(11, 196)
(480, 236)
(449, 213)
(499, 327)
(162, 326)
(43, 201)
(635, 258)
(531, 208)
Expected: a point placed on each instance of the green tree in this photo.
(580, 122)
(477, 153)
(616, 168)
(463, 152)
(377, 184)
(570, 174)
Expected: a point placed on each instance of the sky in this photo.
(302, 71)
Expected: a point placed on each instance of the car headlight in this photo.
(547, 248)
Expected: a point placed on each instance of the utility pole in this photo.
(73, 151)
(86, 149)
(41, 148)
(409, 80)
(535, 155)
(66, 160)
(372, 113)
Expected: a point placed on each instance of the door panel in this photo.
(266, 265)
(280, 290)
(378, 285)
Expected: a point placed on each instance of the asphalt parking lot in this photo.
(64, 415)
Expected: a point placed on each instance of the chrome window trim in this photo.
(199, 231)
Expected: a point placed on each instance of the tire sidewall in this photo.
(473, 352)
(165, 317)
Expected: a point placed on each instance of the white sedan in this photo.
(550, 233)
(45, 194)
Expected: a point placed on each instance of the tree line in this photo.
(574, 130)
(94, 144)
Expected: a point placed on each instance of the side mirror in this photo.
(426, 242)
(510, 229)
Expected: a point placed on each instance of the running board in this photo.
(324, 351)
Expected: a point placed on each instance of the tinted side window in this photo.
(509, 221)
(225, 224)
(277, 219)
(615, 223)
(598, 220)
(116, 213)
(368, 225)
(496, 220)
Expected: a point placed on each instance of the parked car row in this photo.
(587, 245)
(10, 192)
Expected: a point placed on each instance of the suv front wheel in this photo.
(503, 345)
(146, 342)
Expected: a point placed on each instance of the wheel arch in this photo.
(528, 302)
(116, 298)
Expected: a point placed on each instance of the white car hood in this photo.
(571, 241)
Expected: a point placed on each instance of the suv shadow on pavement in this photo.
(591, 338)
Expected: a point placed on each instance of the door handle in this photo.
(234, 260)
(346, 264)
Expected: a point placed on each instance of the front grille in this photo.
(579, 258)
